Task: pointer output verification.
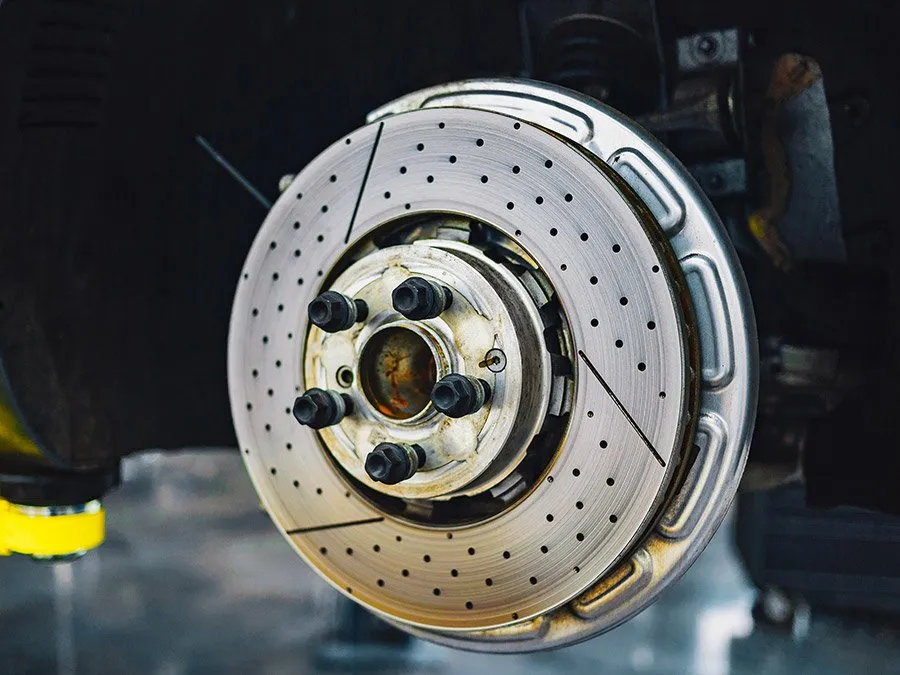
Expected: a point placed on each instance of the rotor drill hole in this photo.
(333, 178)
(610, 481)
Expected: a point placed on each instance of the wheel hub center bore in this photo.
(432, 381)
(397, 372)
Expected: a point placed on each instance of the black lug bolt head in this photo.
(417, 298)
(333, 312)
(320, 408)
(459, 395)
(391, 463)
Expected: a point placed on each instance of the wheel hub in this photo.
(596, 334)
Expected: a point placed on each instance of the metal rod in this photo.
(237, 175)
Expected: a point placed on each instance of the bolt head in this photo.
(417, 299)
(455, 396)
(707, 46)
(317, 409)
(331, 312)
(391, 463)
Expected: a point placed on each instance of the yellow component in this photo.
(44, 531)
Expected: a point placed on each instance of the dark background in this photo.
(121, 241)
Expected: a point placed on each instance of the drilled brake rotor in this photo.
(594, 299)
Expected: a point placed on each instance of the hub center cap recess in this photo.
(565, 307)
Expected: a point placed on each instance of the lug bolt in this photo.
(333, 312)
(459, 395)
(320, 408)
(391, 463)
(417, 298)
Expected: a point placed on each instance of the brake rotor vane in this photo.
(506, 319)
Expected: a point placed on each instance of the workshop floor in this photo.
(194, 579)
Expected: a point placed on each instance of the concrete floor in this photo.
(194, 578)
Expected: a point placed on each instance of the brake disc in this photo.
(595, 303)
